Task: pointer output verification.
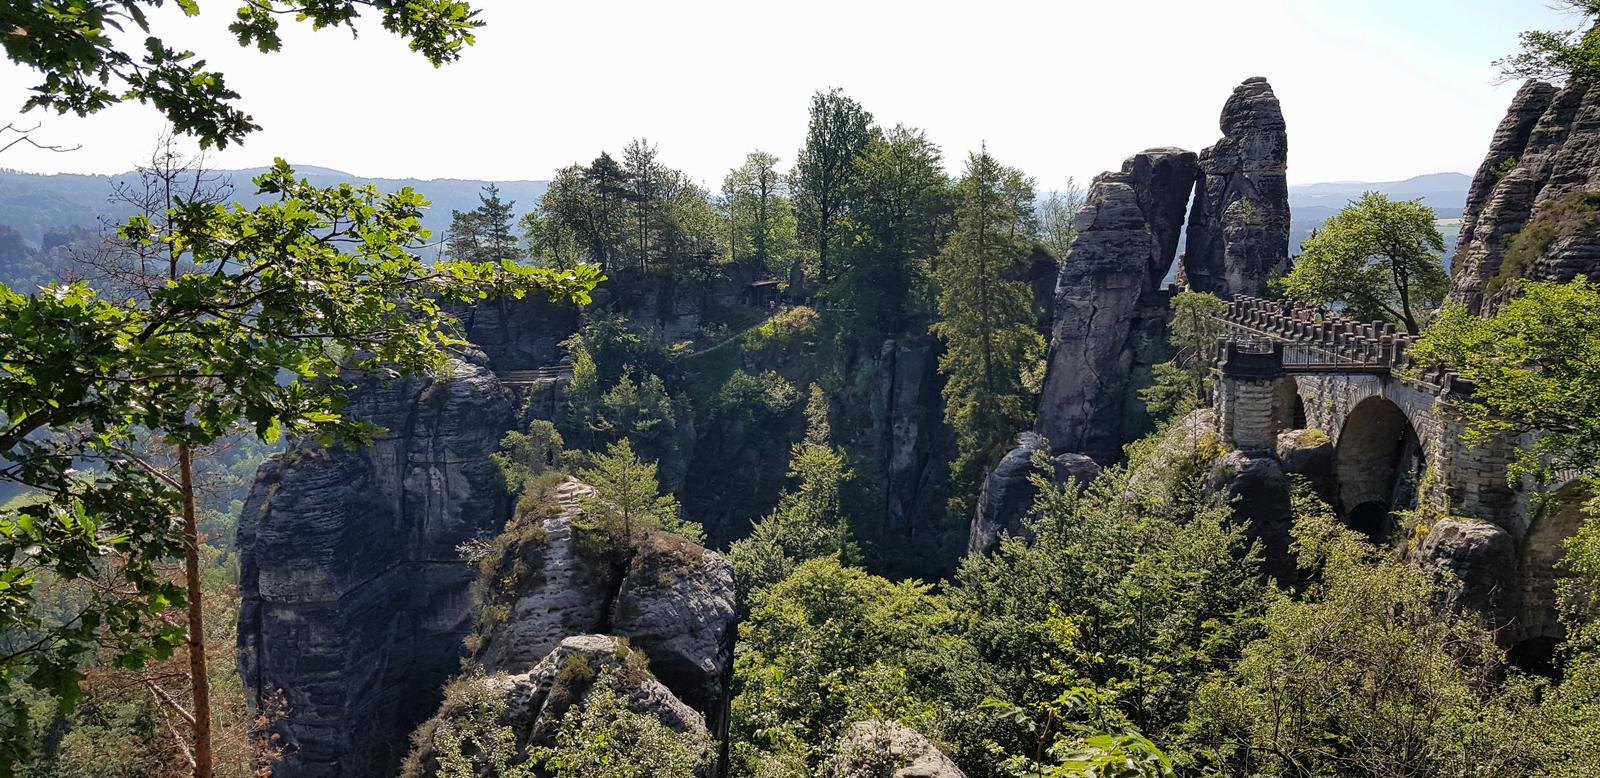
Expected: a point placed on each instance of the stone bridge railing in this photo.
(1332, 345)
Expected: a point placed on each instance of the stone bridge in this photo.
(1397, 440)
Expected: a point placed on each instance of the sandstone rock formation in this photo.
(1259, 492)
(1544, 156)
(1239, 223)
(535, 701)
(1110, 312)
(911, 445)
(1007, 494)
(564, 592)
(885, 749)
(355, 600)
(1476, 560)
(676, 605)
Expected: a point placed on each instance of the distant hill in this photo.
(1312, 204)
(35, 204)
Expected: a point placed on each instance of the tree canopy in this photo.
(1377, 258)
(87, 67)
(313, 285)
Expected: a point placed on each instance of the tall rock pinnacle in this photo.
(1239, 223)
(1110, 312)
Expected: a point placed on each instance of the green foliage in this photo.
(901, 201)
(1181, 384)
(824, 171)
(628, 502)
(1503, 167)
(637, 410)
(1127, 598)
(1173, 393)
(1377, 258)
(523, 455)
(808, 522)
(1534, 367)
(1361, 675)
(484, 234)
(80, 48)
(310, 286)
(784, 335)
(551, 243)
(829, 646)
(1574, 214)
(1087, 754)
(1563, 54)
(985, 317)
(758, 398)
(761, 220)
(604, 738)
(1057, 219)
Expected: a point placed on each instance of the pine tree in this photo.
(484, 234)
(985, 315)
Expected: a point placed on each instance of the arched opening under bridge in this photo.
(1377, 463)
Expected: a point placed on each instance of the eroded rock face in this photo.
(1110, 313)
(1546, 148)
(1475, 560)
(676, 604)
(885, 749)
(536, 701)
(1007, 494)
(1259, 492)
(1239, 223)
(563, 592)
(355, 600)
(519, 334)
(910, 442)
(671, 599)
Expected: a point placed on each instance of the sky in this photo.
(1372, 90)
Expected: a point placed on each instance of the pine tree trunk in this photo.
(197, 635)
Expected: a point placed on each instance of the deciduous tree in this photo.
(838, 133)
(1377, 258)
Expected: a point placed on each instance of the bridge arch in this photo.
(1378, 462)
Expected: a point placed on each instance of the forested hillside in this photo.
(867, 460)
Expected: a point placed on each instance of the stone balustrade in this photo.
(1334, 344)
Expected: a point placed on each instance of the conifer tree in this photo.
(985, 315)
(484, 234)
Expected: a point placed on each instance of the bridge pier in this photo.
(1246, 402)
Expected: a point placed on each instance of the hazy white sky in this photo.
(1371, 89)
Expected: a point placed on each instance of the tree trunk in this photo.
(197, 635)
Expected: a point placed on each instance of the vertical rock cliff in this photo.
(355, 600)
(1239, 223)
(1533, 211)
(1110, 312)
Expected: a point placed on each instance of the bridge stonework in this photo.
(1335, 366)
(1397, 437)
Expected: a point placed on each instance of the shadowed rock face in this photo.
(355, 600)
(1546, 148)
(1239, 223)
(1110, 317)
(1007, 494)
